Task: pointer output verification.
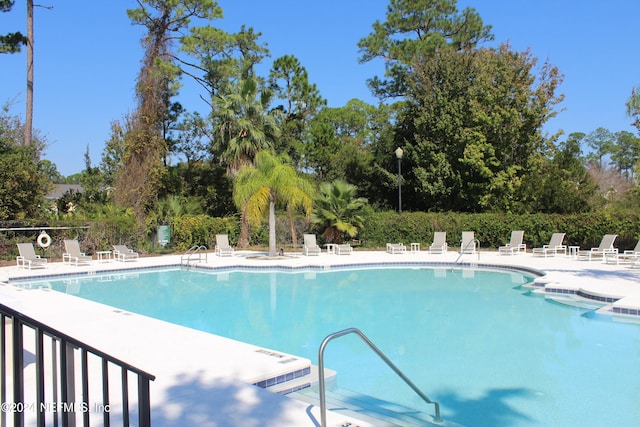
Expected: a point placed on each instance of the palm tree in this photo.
(339, 211)
(244, 125)
(245, 128)
(271, 181)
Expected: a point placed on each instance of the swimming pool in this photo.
(489, 351)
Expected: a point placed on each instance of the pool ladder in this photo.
(372, 346)
(195, 253)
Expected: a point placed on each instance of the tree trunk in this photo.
(272, 228)
(243, 238)
(292, 227)
(28, 121)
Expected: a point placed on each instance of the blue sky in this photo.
(88, 56)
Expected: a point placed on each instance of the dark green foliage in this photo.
(202, 181)
(416, 30)
(471, 129)
(11, 42)
(190, 230)
(493, 230)
(338, 212)
(66, 203)
(23, 182)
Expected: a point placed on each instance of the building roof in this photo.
(60, 189)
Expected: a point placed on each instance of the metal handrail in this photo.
(463, 251)
(194, 250)
(372, 346)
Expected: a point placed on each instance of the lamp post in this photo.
(399, 156)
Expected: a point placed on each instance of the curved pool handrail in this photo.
(464, 250)
(372, 346)
(194, 253)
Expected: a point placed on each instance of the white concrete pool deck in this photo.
(205, 380)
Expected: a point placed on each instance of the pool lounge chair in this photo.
(344, 249)
(223, 248)
(396, 248)
(439, 245)
(629, 256)
(124, 254)
(554, 247)
(310, 245)
(73, 255)
(468, 243)
(606, 246)
(515, 245)
(28, 258)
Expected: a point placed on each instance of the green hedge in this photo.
(191, 230)
(493, 230)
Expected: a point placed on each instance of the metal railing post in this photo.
(18, 372)
(62, 376)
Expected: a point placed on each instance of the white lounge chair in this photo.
(310, 245)
(554, 247)
(439, 245)
(396, 248)
(223, 248)
(515, 245)
(629, 256)
(124, 254)
(28, 258)
(73, 255)
(344, 249)
(468, 243)
(606, 246)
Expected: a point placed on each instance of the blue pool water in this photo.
(477, 342)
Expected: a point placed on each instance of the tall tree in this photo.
(626, 153)
(471, 125)
(221, 58)
(633, 106)
(244, 127)
(244, 124)
(271, 182)
(114, 151)
(339, 141)
(28, 121)
(190, 138)
(140, 176)
(11, 44)
(23, 178)
(300, 99)
(415, 30)
(601, 141)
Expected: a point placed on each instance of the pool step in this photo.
(304, 382)
(366, 408)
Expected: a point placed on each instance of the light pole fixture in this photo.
(399, 153)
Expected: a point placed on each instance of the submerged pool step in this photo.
(303, 382)
(370, 409)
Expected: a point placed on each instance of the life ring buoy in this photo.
(44, 240)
